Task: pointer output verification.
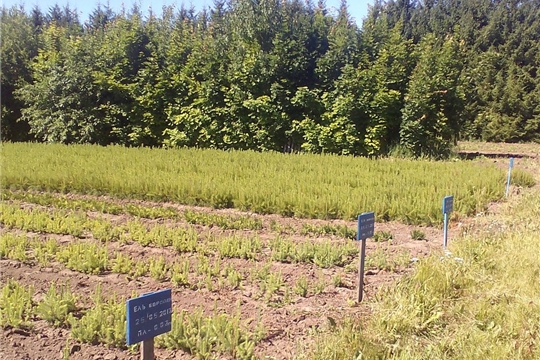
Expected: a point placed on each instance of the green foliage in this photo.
(417, 234)
(13, 247)
(53, 107)
(382, 259)
(434, 99)
(381, 236)
(337, 280)
(182, 239)
(480, 300)
(280, 76)
(234, 277)
(88, 258)
(202, 336)
(62, 222)
(18, 47)
(103, 323)
(122, 264)
(239, 247)
(522, 178)
(222, 221)
(56, 305)
(16, 308)
(290, 184)
(45, 251)
(323, 254)
(301, 287)
(56, 222)
(270, 286)
(101, 205)
(158, 268)
(337, 230)
(180, 273)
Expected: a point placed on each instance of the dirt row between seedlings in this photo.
(292, 226)
(285, 325)
(288, 326)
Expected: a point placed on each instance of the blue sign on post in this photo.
(448, 205)
(366, 228)
(509, 175)
(447, 208)
(149, 316)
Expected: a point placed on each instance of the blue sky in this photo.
(357, 8)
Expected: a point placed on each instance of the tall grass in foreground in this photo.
(483, 305)
(314, 186)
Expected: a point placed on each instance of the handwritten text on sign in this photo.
(149, 316)
(366, 226)
(448, 205)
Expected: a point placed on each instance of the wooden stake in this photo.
(361, 270)
(147, 349)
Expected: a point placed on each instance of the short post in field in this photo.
(148, 316)
(147, 349)
(448, 207)
(366, 227)
(510, 166)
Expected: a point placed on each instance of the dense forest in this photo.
(284, 75)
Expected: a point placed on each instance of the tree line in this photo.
(283, 75)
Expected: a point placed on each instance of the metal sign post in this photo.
(509, 174)
(148, 316)
(366, 227)
(448, 207)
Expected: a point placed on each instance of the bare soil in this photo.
(288, 325)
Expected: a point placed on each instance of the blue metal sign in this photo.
(366, 226)
(149, 316)
(448, 205)
(447, 208)
(509, 175)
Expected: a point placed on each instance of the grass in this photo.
(417, 234)
(481, 146)
(311, 186)
(479, 302)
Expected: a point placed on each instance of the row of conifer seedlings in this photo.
(101, 320)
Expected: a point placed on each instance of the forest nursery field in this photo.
(85, 228)
(300, 185)
(245, 286)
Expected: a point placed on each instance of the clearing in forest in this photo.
(82, 231)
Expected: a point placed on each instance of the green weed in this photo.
(418, 234)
